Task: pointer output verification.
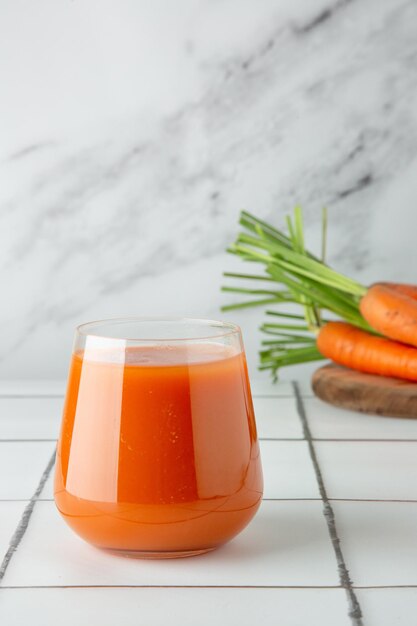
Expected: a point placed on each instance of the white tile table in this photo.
(334, 543)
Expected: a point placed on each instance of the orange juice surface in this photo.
(158, 453)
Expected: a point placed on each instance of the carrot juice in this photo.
(158, 453)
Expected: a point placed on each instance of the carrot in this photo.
(349, 346)
(391, 313)
(405, 288)
(306, 280)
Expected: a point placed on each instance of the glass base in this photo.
(154, 554)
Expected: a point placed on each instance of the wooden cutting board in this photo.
(364, 392)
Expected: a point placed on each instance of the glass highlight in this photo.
(158, 454)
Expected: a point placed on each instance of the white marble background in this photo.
(132, 133)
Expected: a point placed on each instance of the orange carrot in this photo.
(391, 313)
(405, 288)
(349, 346)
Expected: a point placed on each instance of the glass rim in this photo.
(229, 328)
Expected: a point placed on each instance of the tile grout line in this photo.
(355, 612)
(363, 440)
(31, 396)
(81, 586)
(27, 440)
(263, 500)
(24, 520)
(17, 396)
(144, 586)
(318, 499)
(286, 439)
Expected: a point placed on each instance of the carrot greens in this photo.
(295, 276)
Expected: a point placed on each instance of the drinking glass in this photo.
(158, 454)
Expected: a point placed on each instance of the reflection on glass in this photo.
(158, 453)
